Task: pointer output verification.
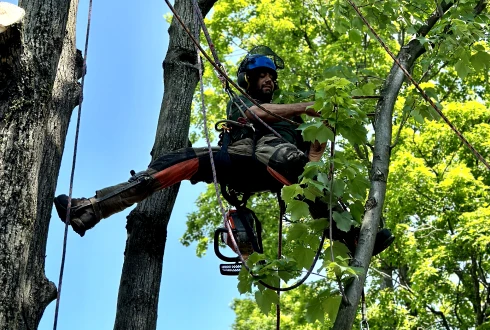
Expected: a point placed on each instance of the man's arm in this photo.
(283, 110)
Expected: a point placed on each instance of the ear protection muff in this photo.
(242, 80)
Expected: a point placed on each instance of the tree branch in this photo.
(404, 120)
(456, 304)
(476, 291)
(441, 315)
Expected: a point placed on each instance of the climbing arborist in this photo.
(251, 158)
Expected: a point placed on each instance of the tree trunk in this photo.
(147, 223)
(38, 90)
(408, 55)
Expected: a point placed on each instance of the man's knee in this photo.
(288, 161)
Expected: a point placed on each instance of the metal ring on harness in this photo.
(231, 122)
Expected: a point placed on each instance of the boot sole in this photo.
(75, 223)
(386, 244)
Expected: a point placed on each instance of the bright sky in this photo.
(123, 92)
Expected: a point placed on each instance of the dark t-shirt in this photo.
(287, 130)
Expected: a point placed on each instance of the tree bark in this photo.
(38, 90)
(147, 223)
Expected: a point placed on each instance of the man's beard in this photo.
(262, 96)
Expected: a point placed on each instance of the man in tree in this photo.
(262, 150)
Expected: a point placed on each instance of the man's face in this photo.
(265, 83)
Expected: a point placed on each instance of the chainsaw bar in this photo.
(230, 269)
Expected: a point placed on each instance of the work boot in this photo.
(384, 238)
(85, 213)
(82, 214)
(319, 209)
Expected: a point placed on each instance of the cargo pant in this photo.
(273, 164)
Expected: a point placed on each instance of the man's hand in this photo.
(316, 151)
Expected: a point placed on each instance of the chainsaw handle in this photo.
(216, 247)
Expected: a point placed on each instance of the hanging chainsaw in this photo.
(247, 231)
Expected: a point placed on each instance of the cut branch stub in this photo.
(9, 14)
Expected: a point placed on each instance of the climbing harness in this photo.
(65, 236)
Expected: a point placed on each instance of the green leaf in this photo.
(303, 256)
(480, 60)
(462, 69)
(368, 88)
(331, 307)
(323, 178)
(338, 188)
(271, 296)
(285, 267)
(339, 249)
(311, 192)
(265, 300)
(297, 231)
(355, 36)
(311, 170)
(289, 192)
(309, 133)
(343, 220)
(357, 92)
(357, 23)
(318, 224)
(273, 279)
(354, 132)
(334, 267)
(315, 311)
(254, 258)
(417, 116)
(244, 281)
(316, 131)
(356, 210)
(324, 134)
(298, 209)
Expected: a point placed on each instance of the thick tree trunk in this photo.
(38, 90)
(147, 223)
(408, 55)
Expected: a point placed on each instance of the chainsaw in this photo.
(247, 232)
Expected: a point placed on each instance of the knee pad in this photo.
(288, 161)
